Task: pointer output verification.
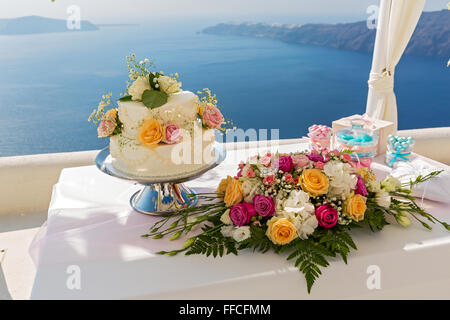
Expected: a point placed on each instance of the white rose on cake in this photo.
(168, 85)
(138, 87)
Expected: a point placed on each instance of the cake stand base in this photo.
(161, 195)
(163, 198)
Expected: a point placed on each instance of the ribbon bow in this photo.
(398, 155)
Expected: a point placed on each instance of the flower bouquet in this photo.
(302, 204)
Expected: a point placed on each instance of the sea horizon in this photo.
(50, 83)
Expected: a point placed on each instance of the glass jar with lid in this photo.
(362, 142)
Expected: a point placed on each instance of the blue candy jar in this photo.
(362, 142)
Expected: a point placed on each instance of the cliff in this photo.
(36, 24)
(431, 37)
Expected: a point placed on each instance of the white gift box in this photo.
(381, 127)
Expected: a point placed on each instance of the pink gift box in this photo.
(381, 127)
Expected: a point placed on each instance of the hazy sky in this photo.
(110, 11)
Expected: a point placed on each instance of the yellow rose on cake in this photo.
(355, 207)
(314, 182)
(280, 230)
(151, 133)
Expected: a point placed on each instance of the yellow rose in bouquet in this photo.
(280, 230)
(234, 193)
(355, 207)
(223, 186)
(314, 182)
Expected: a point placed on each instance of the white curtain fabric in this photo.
(397, 20)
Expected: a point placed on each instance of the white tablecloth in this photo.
(93, 234)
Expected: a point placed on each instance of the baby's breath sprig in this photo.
(206, 96)
(137, 69)
(99, 112)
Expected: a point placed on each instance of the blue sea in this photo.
(50, 83)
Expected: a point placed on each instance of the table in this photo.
(90, 248)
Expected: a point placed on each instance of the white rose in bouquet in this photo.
(373, 186)
(251, 187)
(138, 87)
(168, 85)
(305, 223)
(342, 182)
(241, 233)
(391, 184)
(383, 199)
(227, 231)
(279, 202)
(298, 201)
(225, 218)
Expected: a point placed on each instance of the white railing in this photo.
(26, 182)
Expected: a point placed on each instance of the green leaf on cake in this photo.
(154, 99)
(125, 98)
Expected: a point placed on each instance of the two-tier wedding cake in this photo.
(157, 129)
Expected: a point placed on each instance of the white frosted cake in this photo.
(157, 129)
(192, 153)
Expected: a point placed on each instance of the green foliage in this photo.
(309, 256)
(258, 241)
(375, 218)
(153, 98)
(151, 79)
(118, 128)
(421, 178)
(338, 241)
(125, 98)
(212, 243)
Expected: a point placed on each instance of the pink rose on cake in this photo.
(211, 116)
(107, 124)
(172, 133)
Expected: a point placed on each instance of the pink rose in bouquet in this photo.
(250, 173)
(211, 116)
(285, 163)
(319, 165)
(242, 213)
(172, 133)
(288, 177)
(300, 161)
(264, 205)
(326, 216)
(269, 180)
(315, 157)
(265, 160)
(361, 187)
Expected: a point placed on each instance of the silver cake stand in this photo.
(161, 195)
